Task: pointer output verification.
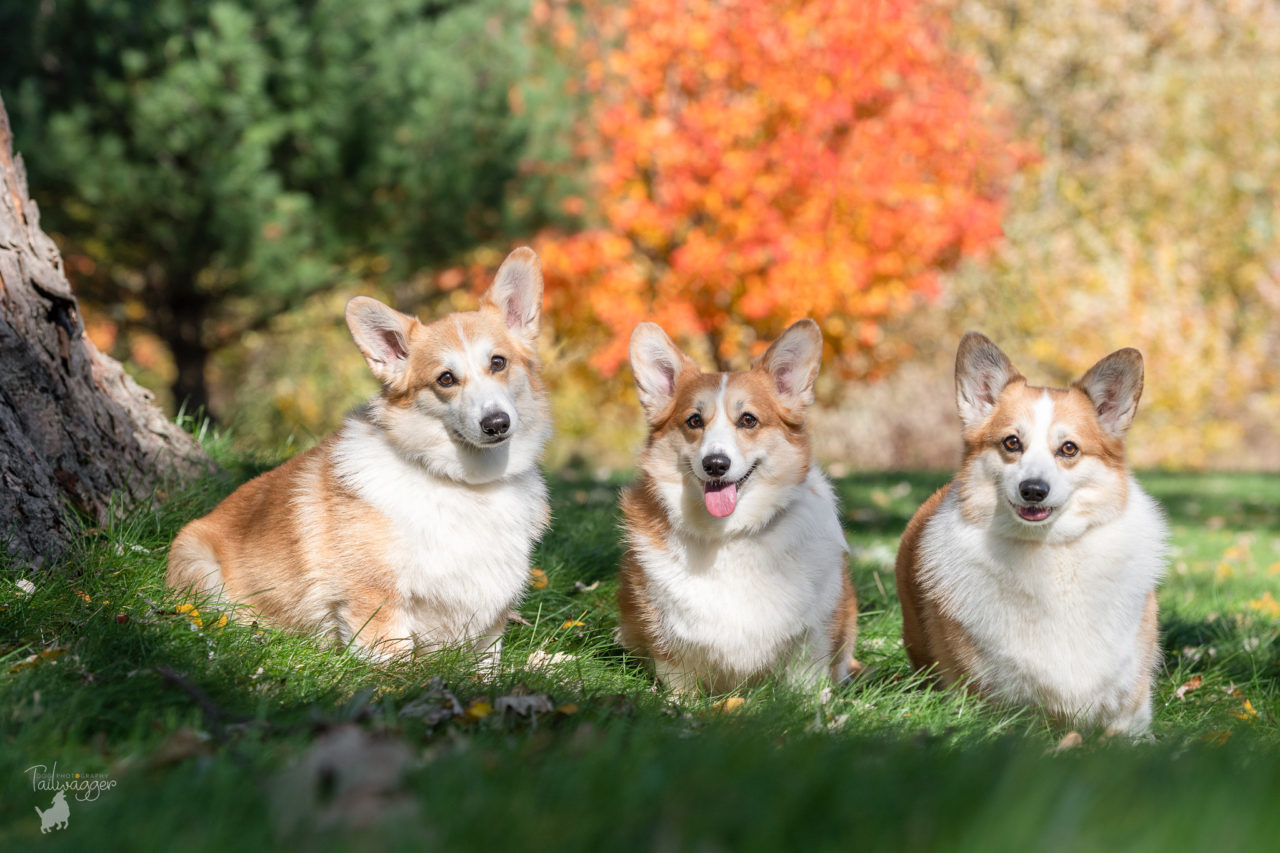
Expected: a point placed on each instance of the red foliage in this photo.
(758, 161)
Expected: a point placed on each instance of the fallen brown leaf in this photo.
(178, 747)
(50, 654)
(1192, 683)
(435, 706)
(544, 660)
(347, 778)
(1071, 740)
(1218, 738)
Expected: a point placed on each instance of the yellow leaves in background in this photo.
(1152, 219)
(1239, 559)
(1266, 605)
(537, 579)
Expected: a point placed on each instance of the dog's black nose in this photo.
(495, 424)
(1033, 491)
(716, 465)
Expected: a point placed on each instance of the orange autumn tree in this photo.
(749, 163)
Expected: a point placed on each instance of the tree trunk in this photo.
(181, 330)
(75, 430)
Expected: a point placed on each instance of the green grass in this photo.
(232, 737)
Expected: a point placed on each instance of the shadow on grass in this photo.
(1239, 649)
(1217, 501)
(883, 502)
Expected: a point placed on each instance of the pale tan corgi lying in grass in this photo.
(1032, 576)
(736, 565)
(412, 525)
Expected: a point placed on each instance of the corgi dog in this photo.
(411, 526)
(735, 569)
(1031, 577)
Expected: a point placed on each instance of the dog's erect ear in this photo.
(516, 293)
(792, 361)
(982, 371)
(382, 333)
(656, 362)
(1114, 386)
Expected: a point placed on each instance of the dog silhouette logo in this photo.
(55, 817)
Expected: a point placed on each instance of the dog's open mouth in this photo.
(1034, 512)
(721, 496)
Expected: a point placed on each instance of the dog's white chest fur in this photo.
(1053, 624)
(460, 552)
(732, 608)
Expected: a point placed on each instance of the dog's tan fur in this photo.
(306, 549)
(936, 606)
(667, 530)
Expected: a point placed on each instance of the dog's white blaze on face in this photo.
(720, 440)
(1061, 448)
(752, 420)
(462, 397)
(1038, 434)
(482, 391)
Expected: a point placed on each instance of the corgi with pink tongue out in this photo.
(735, 570)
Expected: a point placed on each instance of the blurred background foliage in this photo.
(221, 177)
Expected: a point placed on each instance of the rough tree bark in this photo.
(77, 434)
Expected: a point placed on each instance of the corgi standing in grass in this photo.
(412, 525)
(1031, 577)
(736, 565)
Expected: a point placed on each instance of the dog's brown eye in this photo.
(1012, 444)
(444, 380)
(1068, 448)
(747, 421)
(497, 364)
(694, 421)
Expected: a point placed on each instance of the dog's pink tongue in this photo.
(721, 499)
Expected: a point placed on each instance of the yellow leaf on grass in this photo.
(38, 657)
(572, 623)
(83, 596)
(1246, 711)
(193, 615)
(479, 709)
(729, 704)
(537, 579)
(1267, 605)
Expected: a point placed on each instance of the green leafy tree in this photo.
(208, 166)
